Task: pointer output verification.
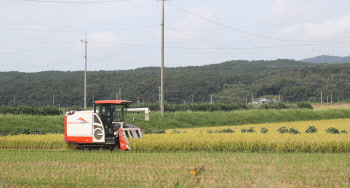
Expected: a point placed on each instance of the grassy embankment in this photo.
(15, 124)
(21, 168)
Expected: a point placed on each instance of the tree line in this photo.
(228, 82)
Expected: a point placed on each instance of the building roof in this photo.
(113, 102)
(263, 99)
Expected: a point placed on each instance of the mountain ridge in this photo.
(327, 59)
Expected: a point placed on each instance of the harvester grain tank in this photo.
(103, 127)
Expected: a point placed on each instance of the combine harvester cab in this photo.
(103, 127)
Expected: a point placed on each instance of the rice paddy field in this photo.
(56, 168)
(187, 157)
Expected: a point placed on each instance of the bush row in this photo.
(282, 130)
(206, 107)
(192, 107)
(31, 110)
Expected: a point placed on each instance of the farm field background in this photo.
(42, 168)
(197, 139)
(27, 124)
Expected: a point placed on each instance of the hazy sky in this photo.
(37, 36)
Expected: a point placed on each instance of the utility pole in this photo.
(120, 94)
(331, 96)
(279, 98)
(159, 93)
(162, 66)
(252, 98)
(321, 98)
(85, 41)
(211, 99)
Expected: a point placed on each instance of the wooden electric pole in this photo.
(85, 41)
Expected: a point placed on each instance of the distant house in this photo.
(262, 101)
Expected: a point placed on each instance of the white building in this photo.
(262, 101)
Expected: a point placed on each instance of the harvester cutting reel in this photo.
(126, 133)
(122, 137)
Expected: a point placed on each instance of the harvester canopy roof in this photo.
(113, 102)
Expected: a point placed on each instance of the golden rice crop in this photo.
(197, 139)
(49, 141)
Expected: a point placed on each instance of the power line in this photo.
(220, 48)
(39, 48)
(75, 2)
(205, 39)
(247, 32)
(80, 30)
(194, 36)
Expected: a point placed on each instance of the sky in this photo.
(42, 35)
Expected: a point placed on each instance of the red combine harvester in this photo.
(103, 127)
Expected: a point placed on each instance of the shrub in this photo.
(151, 131)
(344, 132)
(227, 131)
(293, 131)
(222, 131)
(304, 105)
(332, 130)
(250, 130)
(204, 107)
(264, 130)
(277, 106)
(282, 130)
(175, 131)
(311, 129)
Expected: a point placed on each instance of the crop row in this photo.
(217, 139)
